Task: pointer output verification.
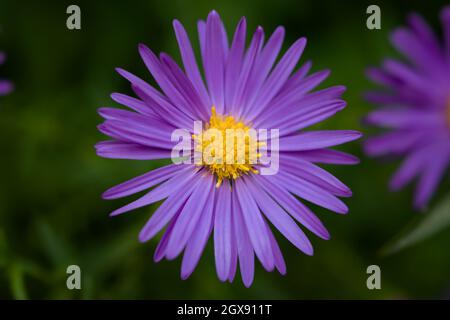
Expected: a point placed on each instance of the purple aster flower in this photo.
(5, 86)
(416, 108)
(243, 88)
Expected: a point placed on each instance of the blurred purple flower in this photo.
(237, 203)
(5, 85)
(416, 108)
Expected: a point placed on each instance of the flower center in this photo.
(228, 147)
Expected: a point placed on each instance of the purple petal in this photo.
(301, 88)
(291, 122)
(243, 241)
(199, 238)
(159, 193)
(381, 77)
(295, 80)
(144, 181)
(403, 118)
(234, 62)
(307, 102)
(125, 150)
(410, 77)
(431, 176)
(395, 142)
(312, 173)
(411, 167)
(429, 61)
(164, 108)
(185, 88)
(201, 26)
(424, 33)
(189, 217)
(298, 211)
(189, 61)
(133, 103)
(328, 156)
(214, 63)
(277, 255)
(156, 101)
(254, 223)
(134, 118)
(317, 139)
(280, 219)
(234, 250)
(278, 76)
(223, 232)
(6, 87)
(180, 193)
(137, 133)
(445, 19)
(162, 245)
(309, 192)
(160, 74)
(263, 65)
(244, 76)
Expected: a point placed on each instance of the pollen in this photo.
(227, 147)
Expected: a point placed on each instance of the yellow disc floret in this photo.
(227, 147)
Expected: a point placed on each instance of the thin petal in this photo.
(223, 232)
(328, 156)
(157, 194)
(431, 177)
(162, 78)
(317, 140)
(125, 150)
(189, 217)
(214, 62)
(189, 61)
(243, 241)
(263, 65)
(168, 209)
(254, 223)
(244, 76)
(280, 219)
(315, 174)
(199, 238)
(445, 19)
(162, 245)
(133, 103)
(309, 192)
(143, 182)
(279, 75)
(234, 63)
(298, 211)
(277, 255)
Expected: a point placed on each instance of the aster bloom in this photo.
(242, 88)
(5, 86)
(416, 107)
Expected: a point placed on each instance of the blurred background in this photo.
(51, 213)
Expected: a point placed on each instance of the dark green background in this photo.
(51, 214)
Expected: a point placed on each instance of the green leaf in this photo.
(16, 280)
(432, 223)
(57, 248)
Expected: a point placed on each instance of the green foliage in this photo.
(436, 220)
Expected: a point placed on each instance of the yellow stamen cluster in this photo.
(228, 147)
